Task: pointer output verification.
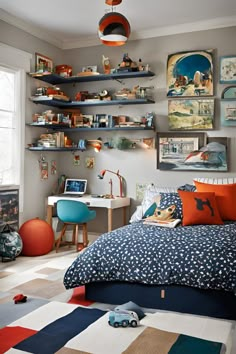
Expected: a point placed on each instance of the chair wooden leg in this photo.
(76, 236)
(60, 237)
(85, 235)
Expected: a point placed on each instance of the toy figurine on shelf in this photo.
(106, 65)
(128, 64)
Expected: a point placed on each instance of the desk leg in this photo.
(109, 219)
(49, 214)
(124, 215)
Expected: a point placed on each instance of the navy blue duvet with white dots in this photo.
(202, 256)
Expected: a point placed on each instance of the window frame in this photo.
(19, 62)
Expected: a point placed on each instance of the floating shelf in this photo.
(73, 104)
(71, 130)
(57, 79)
(39, 148)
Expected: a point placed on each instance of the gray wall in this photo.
(137, 165)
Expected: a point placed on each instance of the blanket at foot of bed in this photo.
(59, 328)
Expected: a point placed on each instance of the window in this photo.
(14, 64)
(9, 128)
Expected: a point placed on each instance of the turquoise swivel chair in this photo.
(75, 213)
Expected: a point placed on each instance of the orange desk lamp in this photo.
(121, 179)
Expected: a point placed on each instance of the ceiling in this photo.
(73, 23)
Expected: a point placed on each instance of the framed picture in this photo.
(228, 107)
(43, 63)
(174, 148)
(228, 113)
(190, 74)
(191, 114)
(9, 207)
(89, 68)
(218, 157)
(228, 69)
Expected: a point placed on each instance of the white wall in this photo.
(137, 166)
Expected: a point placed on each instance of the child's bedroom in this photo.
(117, 177)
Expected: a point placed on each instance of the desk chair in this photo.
(75, 213)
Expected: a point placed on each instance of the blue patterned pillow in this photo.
(168, 199)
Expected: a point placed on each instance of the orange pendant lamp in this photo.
(113, 28)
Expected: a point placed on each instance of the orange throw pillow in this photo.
(225, 197)
(199, 208)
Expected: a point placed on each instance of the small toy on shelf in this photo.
(127, 64)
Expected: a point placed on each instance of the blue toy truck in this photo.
(123, 318)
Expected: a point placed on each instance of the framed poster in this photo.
(228, 107)
(228, 69)
(9, 207)
(174, 148)
(43, 63)
(190, 74)
(191, 114)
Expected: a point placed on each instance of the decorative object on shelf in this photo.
(148, 143)
(43, 64)
(113, 28)
(96, 144)
(228, 107)
(191, 114)
(90, 69)
(190, 73)
(228, 69)
(64, 70)
(121, 179)
(106, 65)
(122, 143)
(127, 64)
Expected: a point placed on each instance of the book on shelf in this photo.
(153, 220)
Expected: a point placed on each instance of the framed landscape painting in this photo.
(228, 69)
(174, 148)
(190, 74)
(191, 114)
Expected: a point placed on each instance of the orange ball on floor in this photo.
(37, 237)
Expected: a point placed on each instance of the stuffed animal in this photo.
(164, 214)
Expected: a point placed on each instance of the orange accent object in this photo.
(37, 237)
(225, 197)
(113, 2)
(199, 208)
(64, 70)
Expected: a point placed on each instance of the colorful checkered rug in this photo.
(66, 328)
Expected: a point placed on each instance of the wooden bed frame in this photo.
(185, 299)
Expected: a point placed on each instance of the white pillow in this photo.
(151, 195)
(211, 180)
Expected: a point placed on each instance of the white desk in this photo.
(109, 204)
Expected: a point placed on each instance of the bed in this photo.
(189, 268)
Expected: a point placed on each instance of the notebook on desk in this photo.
(75, 187)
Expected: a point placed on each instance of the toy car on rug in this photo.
(123, 318)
